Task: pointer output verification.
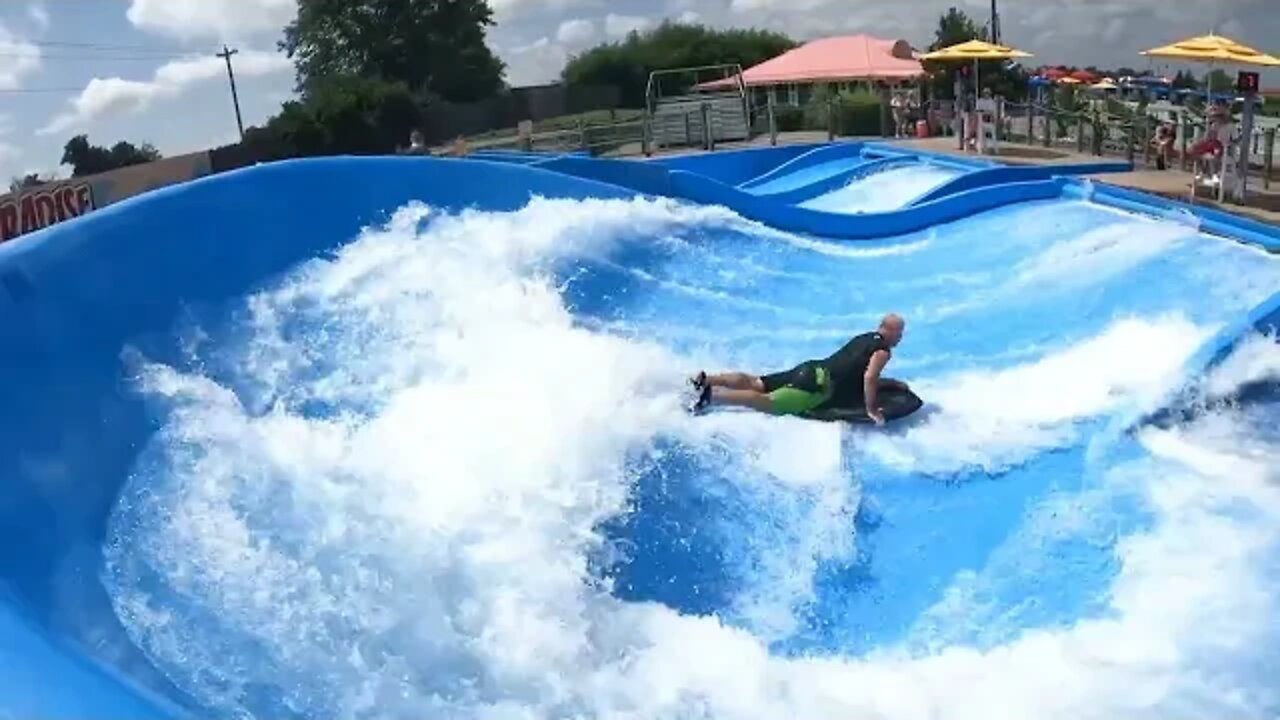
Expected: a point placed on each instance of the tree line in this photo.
(367, 73)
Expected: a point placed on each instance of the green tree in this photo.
(27, 181)
(955, 27)
(87, 159)
(1003, 78)
(340, 116)
(432, 46)
(1185, 80)
(626, 65)
(1219, 80)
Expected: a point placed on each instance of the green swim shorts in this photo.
(798, 390)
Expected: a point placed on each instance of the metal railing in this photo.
(1132, 136)
(1091, 131)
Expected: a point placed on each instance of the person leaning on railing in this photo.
(1165, 135)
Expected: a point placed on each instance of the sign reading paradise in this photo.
(29, 210)
(42, 207)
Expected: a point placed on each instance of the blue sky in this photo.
(144, 70)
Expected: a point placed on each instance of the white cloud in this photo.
(619, 25)
(106, 95)
(21, 59)
(536, 63)
(39, 14)
(9, 153)
(222, 19)
(576, 32)
(689, 17)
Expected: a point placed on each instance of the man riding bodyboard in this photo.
(847, 379)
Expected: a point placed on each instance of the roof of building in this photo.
(847, 57)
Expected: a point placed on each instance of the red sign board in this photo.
(30, 211)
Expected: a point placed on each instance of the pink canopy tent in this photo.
(834, 59)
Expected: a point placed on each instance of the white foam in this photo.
(1254, 360)
(442, 520)
(883, 191)
(1100, 253)
(424, 554)
(1134, 362)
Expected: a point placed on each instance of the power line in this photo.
(97, 46)
(28, 91)
(99, 58)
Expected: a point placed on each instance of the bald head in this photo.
(891, 327)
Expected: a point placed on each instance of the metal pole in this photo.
(1246, 135)
(1268, 152)
(773, 122)
(1048, 121)
(231, 76)
(1182, 142)
(707, 141)
(1146, 140)
(1098, 131)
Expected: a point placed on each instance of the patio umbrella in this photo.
(974, 50)
(1216, 49)
(1213, 49)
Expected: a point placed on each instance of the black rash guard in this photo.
(848, 365)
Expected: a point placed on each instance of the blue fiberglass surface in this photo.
(888, 189)
(807, 175)
(390, 458)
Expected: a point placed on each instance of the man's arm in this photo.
(871, 384)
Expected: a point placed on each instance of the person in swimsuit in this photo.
(848, 378)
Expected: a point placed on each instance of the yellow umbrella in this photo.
(1068, 80)
(975, 50)
(1213, 48)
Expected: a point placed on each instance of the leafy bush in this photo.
(858, 113)
(789, 118)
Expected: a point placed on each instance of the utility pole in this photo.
(231, 75)
(995, 24)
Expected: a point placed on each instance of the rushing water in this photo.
(446, 473)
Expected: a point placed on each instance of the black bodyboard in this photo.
(894, 401)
